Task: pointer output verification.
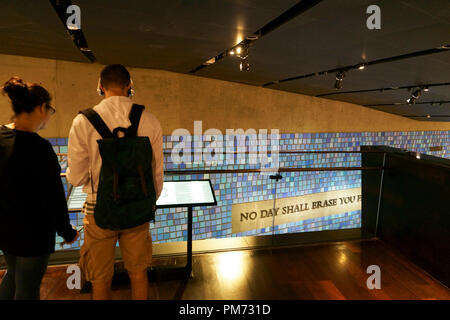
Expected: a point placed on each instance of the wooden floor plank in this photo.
(331, 291)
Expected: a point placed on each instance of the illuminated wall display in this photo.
(235, 189)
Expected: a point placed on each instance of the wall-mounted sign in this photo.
(262, 214)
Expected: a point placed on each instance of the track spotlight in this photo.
(361, 67)
(339, 78)
(244, 66)
(243, 53)
(426, 89)
(240, 50)
(415, 95)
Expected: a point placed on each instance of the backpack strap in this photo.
(97, 122)
(135, 117)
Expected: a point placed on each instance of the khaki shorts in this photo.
(98, 251)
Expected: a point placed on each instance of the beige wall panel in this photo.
(178, 100)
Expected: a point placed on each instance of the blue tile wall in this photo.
(215, 222)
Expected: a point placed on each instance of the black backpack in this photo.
(126, 195)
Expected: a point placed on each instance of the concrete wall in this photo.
(178, 99)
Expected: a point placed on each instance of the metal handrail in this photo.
(187, 172)
(280, 151)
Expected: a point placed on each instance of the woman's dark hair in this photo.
(25, 96)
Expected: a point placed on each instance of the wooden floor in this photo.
(322, 271)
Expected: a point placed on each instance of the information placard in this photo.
(174, 194)
(186, 193)
(76, 198)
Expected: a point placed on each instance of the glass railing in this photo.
(318, 191)
(312, 165)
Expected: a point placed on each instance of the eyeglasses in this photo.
(52, 110)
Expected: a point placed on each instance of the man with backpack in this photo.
(115, 152)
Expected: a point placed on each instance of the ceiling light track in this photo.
(76, 34)
(426, 88)
(444, 48)
(429, 116)
(286, 16)
(432, 103)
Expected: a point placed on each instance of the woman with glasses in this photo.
(33, 206)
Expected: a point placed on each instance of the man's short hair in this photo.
(114, 76)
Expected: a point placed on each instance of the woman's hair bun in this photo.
(16, 89)
(25, 97)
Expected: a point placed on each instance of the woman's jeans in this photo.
(22, 280)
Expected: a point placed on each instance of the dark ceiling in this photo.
(180, 35)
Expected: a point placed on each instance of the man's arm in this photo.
(78, 156)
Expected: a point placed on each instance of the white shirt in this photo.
(84, 158)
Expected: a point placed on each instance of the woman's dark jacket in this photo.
(32, 199)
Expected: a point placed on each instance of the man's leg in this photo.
(101, 290)
(139, 285)
(136, 246)
(97, 258)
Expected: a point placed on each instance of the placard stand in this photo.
(176, 194)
